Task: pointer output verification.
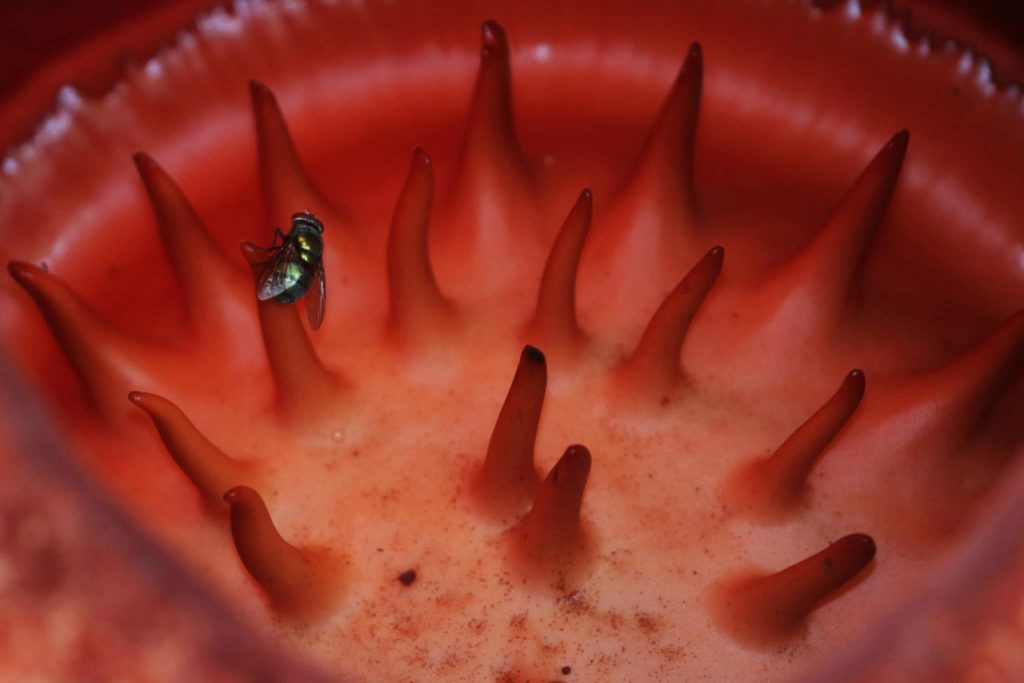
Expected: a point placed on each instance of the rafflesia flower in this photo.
(671, 342)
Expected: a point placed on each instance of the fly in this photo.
(295, 268)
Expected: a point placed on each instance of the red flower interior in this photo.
(768, 360)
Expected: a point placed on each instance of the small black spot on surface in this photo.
(407, 577)
(567, 669)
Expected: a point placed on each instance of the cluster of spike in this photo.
(547, 533)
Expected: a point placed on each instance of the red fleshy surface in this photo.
(781, 136)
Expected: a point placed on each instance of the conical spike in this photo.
(664, 172)
(508, 479)
(303, 384)
(490, 131)
(655, 362)
(297, 582)
(107, 362)
(554, 322)
(956, 399)
(766, 609)
(551, 535)
(214, 287)
(652, 224)
(826, 268)
(776, 485)
(286, 185)
(416, 301)
(490, 205)
(207, 466)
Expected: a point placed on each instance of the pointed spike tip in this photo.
(694, 57)
(144, 162)
(578, 459)
(257, 88)
(900, 141)
(861, 547)
(493, 38)
(21, 272)
(533, 354)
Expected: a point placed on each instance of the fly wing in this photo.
(316, 298)
(275, 276)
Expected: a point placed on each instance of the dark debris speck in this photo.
(407, 577)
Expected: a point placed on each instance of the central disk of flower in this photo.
(659, 488)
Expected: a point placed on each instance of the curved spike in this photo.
(213, 285)
(286, 184)
(958, 397)
(554, 322)
(508, 479)
(763, 610)
(827, 266)
(551, 533)
(207, 466)
(655, 362)
(664, 172)
(303, 383)
(296, 581)
(776, 484)
(416, 301)
(104, 360)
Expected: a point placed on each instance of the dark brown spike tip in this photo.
(508, 479)
(774, 486)
(551, 536)
(204, 464)
(298, 582)
(766, 609)
(494, 44)
(304, 386)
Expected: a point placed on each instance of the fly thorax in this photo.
(309, 245)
